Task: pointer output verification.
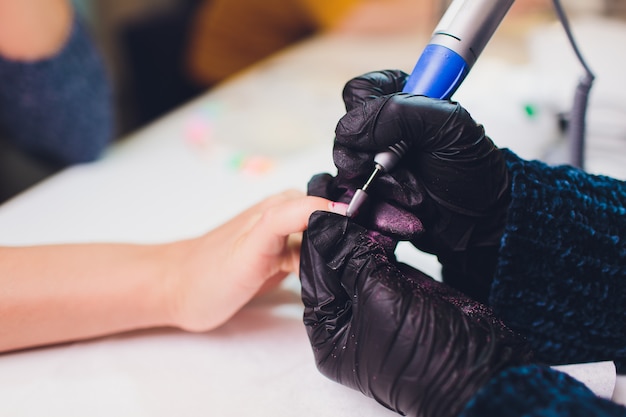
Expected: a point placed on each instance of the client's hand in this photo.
(219, 272)
(453, 178)
(413, 344)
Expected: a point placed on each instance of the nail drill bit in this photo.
(383, 162)
(361, 194)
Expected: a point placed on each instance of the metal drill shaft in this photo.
(360, 196)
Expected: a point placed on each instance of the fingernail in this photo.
(337, 208)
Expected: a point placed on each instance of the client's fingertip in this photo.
(338, 208)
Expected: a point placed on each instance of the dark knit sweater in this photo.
(58, 109)
(561, 274)
(538, 391)
(561, 282)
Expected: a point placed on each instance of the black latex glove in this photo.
(415, 345)
(453, 178)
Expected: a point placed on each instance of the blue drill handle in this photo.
(458, 40)
(438, 73)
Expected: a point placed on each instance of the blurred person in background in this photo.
(175, 55)
(227, 36)
(55, 99)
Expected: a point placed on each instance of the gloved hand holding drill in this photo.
(453, 178)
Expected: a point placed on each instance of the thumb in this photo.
(327, 308)
(335, 267)
(334, 250)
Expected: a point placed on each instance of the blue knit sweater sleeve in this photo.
(538, 391)
(58, 109)
(561, 273)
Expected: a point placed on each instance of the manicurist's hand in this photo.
(59, 293)
(415, 345)
(452, 178)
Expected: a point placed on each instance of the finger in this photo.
(345, 247)
(429, 124)
(327, 305)
(322, 185)
(349, 286)
(372, 85)
(285, 217)
(400, 187)
(451, 153)
(292, 216)
(391, 220)
(336, 189)
(426, 123)
(389, 209)
(271, 283)
(355, 129)
(352, 162)
(275, 199)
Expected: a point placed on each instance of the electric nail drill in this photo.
(457, 41)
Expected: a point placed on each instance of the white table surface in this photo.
(177, 178)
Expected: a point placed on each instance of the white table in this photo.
(178, 178)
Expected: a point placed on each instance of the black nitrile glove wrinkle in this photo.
(372, 85)
(386, 329)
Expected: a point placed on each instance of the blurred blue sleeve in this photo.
(539, 391)
(58, 109)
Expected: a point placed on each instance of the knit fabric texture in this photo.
(538, 391)
(561, 275)
(60, 108)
